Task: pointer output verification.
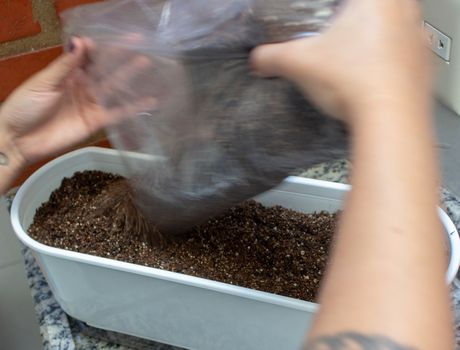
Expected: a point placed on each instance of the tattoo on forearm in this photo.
(3, 159)
(355, 341)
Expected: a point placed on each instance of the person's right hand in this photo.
(370, 68)
(372, 54)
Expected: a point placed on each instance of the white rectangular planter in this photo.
(168, 307)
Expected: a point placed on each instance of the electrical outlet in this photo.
(439, 42)
(442, 22)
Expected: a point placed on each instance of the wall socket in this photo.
(439, 42)
(442, 22)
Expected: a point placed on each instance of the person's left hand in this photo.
(41, 117)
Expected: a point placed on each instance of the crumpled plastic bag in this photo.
(217, 134)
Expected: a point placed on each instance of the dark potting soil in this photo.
(269, 249)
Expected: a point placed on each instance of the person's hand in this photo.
(55, 109)
(362, 59)
(370, 68)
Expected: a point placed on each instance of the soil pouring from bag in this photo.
(274, 249)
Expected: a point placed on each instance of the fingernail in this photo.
(71, 45)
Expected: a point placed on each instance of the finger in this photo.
(282, 60)
(266, 60)
(108, 57)
(120, 114)
(57, 72)
(123, 78)
(117, 115)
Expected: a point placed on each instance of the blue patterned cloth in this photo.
(62, 332)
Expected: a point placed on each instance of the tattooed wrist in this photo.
(355, 341)
(11, 159)
(4, 160)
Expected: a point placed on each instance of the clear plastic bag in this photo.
(218, 135)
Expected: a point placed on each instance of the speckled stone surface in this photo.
(61, 332)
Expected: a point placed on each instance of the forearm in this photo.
(388, 266)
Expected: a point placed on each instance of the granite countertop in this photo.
(62, 332)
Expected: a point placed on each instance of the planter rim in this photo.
(28, 186)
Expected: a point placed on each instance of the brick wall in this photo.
(30, 38)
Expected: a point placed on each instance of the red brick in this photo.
(62, 5)
(17, 20)
(14, 70)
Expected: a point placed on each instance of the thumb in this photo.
(269, 60)
(55, 74)
(286, 60)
